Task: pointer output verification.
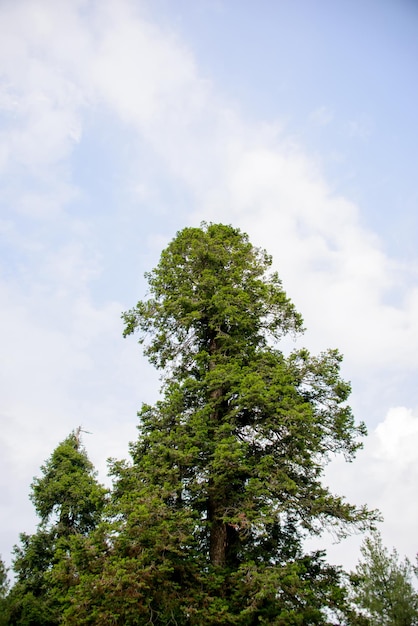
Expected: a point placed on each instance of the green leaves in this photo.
(206, 524)
(210, 285)
(68, 495)
(383, 587)
(244, 432)
(70, 502)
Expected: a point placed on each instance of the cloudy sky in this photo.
(121, 122)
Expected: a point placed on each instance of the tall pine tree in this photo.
(226, 478)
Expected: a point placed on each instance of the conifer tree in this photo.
(226, 474)
(69, 502)
(4, 588)
(383, 586)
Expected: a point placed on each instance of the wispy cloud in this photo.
(322, 116)
(384, 475)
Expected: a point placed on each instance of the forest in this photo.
(206, 523)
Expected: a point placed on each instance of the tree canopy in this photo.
(206, 523)
(226, 479)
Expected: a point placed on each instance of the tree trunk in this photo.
(218, 542)
(218, 531)
(224, 541)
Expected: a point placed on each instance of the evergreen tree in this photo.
(4, 582)
(226, 478)
(69, 502)
(383, 586)
(4, 587)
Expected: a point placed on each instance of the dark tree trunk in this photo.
(224, 539)
(218, 543)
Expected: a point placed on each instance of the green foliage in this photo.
(210, 282)
(383, 586)
(69, 501)
(226, 475)
(206, 524)
(4, 588)
(4, 582)
(67, 496)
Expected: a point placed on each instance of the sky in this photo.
(122, 122)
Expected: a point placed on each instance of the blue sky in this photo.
(339, 76)
(124, 121)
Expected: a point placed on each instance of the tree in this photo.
(4, 583)
(67, 497)
(4, 588)
(383, 586)
(69, 502)
(226, 478)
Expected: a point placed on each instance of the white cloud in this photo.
(65, 364)
(384, 476)
(335, 269)
(360, 129)
(140, 71)
(322, 116)
(40, 103)
(340, 275)
(396, 439)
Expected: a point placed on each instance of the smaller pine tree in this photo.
(69, 502)
(383, 586)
